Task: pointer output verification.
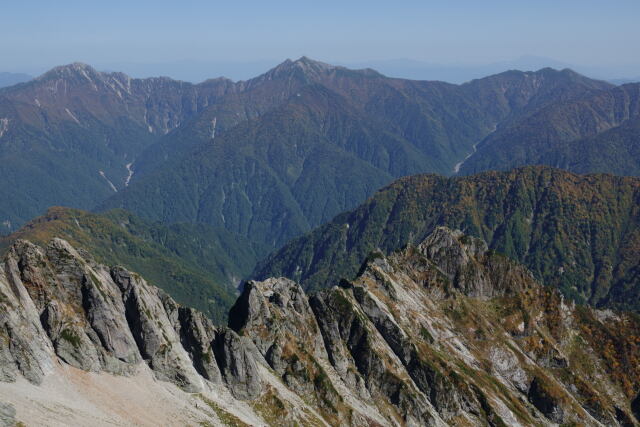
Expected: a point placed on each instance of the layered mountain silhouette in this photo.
(253, 164)
(596, 133)
(189, 153)
(314, 140)
(447, 292)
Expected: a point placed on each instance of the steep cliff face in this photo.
(94, 318)
(443, 333)
(59, 307)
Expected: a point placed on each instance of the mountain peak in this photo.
(68, 70)
(80, 72)
(304, 65)
(305, 61)
(572, 75)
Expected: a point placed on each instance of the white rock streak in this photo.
(113, 187)
(75, 119)
(83, 71)
(4, 126)
(213, 127)
(126, 181)
(146, 120)
(224, 199)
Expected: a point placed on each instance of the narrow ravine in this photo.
(456, 168)
(458, 165)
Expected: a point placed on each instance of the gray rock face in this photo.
(154, 333)
(237, 365)
(262, 310)
(470, 266)
(197, 334)
(446, 332)
(275, 314)
(447, 397)
(23, 351)
(59, 304)
(333, 336)
(79, 308)
(7, 415)
(300, 339)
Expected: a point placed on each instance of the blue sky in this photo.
(36, 35)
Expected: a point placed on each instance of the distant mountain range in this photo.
(406, 68)
(625, 80)
(595, 133)
(307, 140)
(75, 136)
(461, 73)
(67, 137)
(266, 160)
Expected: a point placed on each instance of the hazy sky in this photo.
(37, 34)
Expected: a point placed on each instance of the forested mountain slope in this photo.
(594, 133)
(70, 136)
(290, 149)
(578, 233)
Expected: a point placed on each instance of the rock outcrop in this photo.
(447, 332)
(58, 304)
(7, 415)
(444, 333)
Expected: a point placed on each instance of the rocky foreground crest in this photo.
(445, 333)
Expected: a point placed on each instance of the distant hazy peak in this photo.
(68, 70)
(304, 65)
(85, 71)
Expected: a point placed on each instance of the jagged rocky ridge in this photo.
(443, 333)
(192, 262)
